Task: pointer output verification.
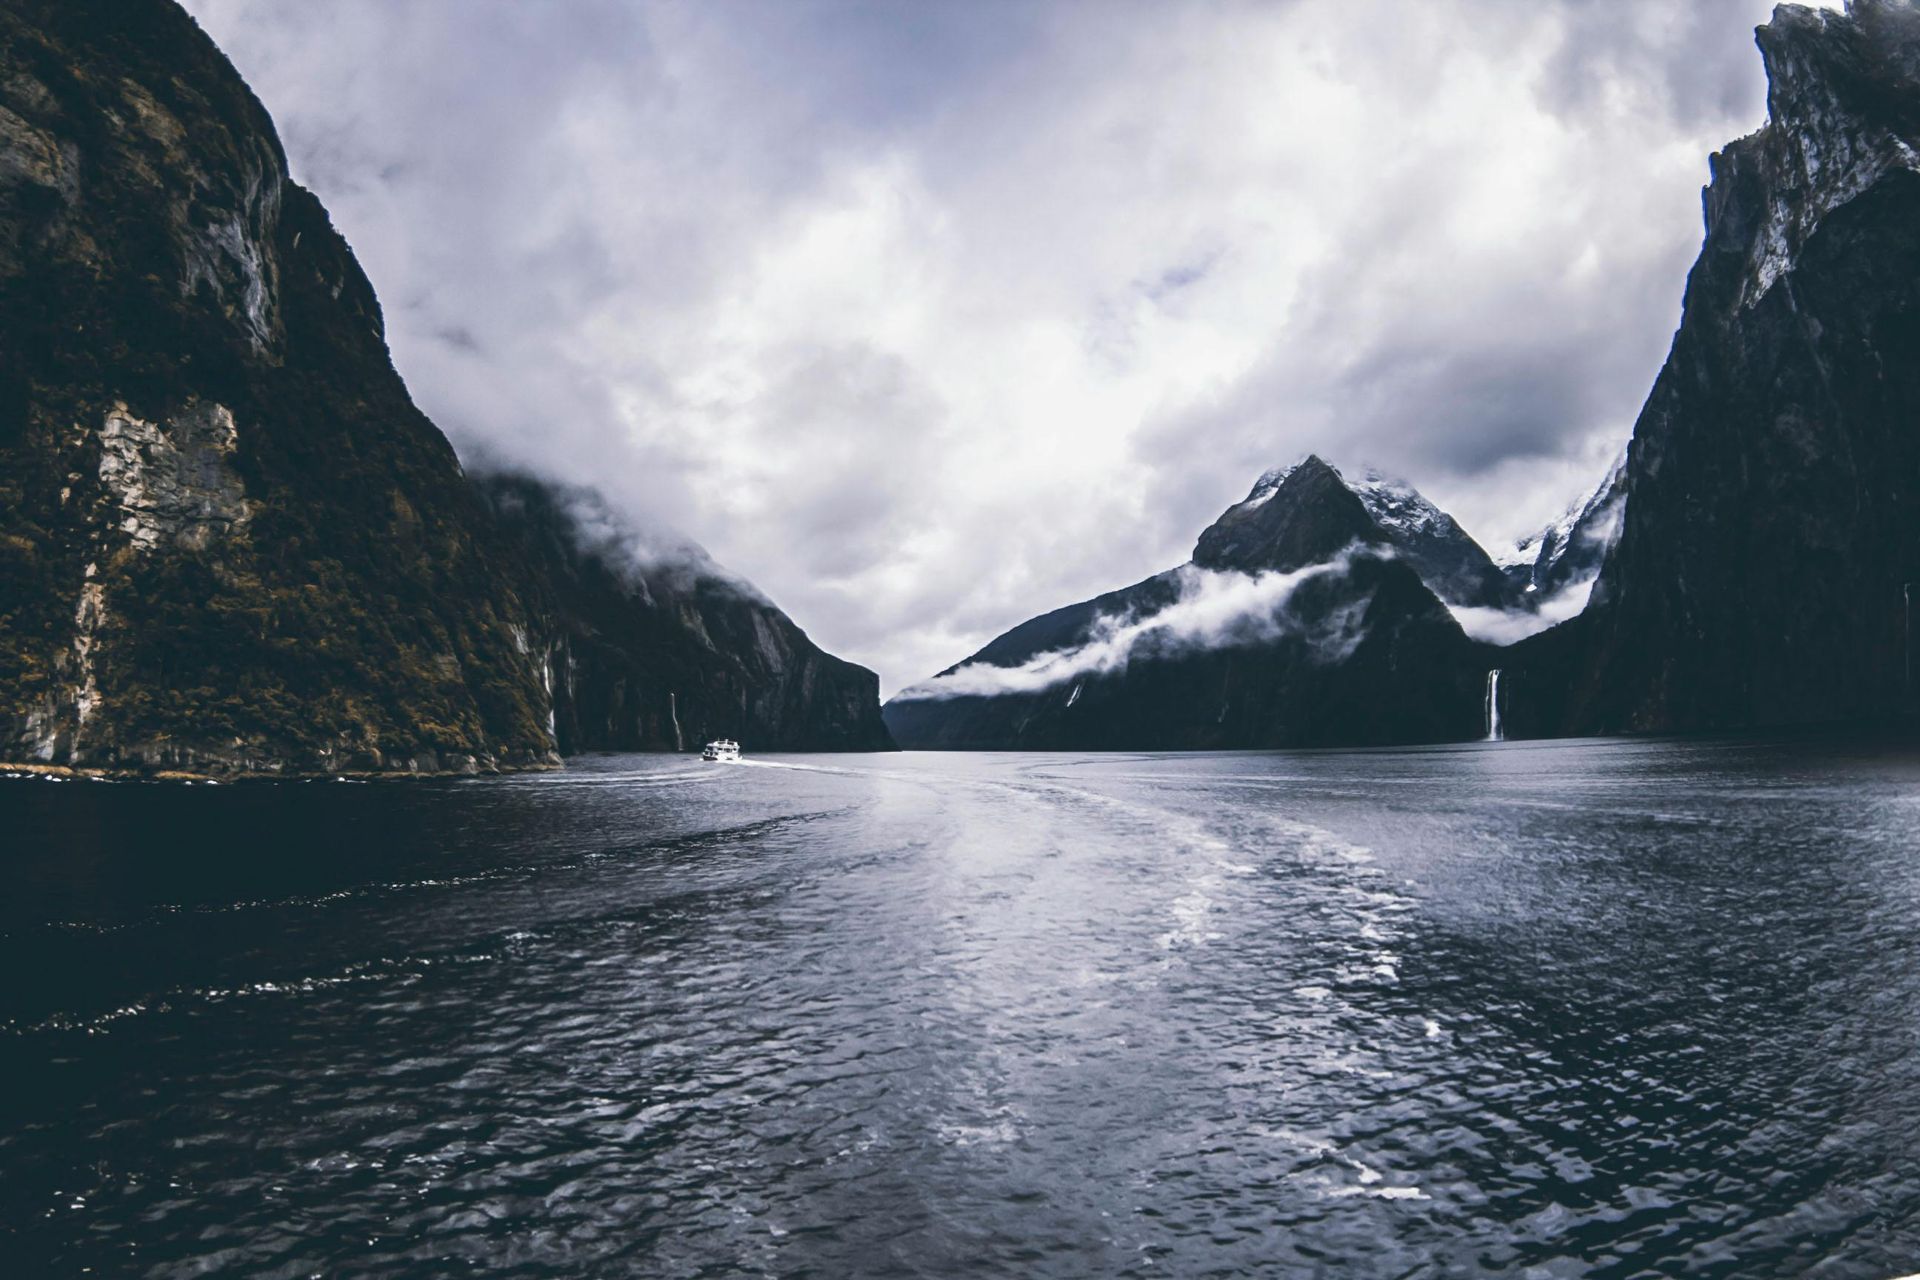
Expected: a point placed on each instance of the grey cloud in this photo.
(1671, 57)
(930, 317)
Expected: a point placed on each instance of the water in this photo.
(1549, 1010)
(1493, 706)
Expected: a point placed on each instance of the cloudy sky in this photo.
(930, 315)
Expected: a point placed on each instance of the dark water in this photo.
(1607, 1009)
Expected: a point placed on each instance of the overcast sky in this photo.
(930, 315)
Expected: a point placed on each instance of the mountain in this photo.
(1762, 572)
(229, 541)
(1391, 513)
(1570, 551)
(1764, 565)
(656, 648)
(1297, 622)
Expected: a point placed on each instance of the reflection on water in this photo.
(1566, 1009)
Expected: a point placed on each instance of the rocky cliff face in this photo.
(1766, 558)
(228, 539)
(648, 647)
(1298, 622)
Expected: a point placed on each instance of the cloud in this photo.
(1654, 57)
(1213, 610)
(1507, 626)
(929, 317)
(649, 558)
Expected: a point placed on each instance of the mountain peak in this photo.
(1843, 106)
(1865, 61)
(1293, 517)
(1309, 511)
(1808, 53)
(1270, 481)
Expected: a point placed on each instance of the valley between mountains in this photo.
(231, 544)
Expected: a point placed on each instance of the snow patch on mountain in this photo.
(1399, 508)
(1266, 486)
(1571, 548)
(1515, 556)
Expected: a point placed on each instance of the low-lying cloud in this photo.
(1508, 626)
(649, 557)
(1214, 609)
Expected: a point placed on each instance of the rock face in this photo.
(228, 539)
(1298, 622)
(648, 647)
(1766, 557)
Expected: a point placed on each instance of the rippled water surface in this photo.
(1609, 1009)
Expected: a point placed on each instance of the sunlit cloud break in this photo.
(1214, 610)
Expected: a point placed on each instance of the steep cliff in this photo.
(1300, 621)
(655, 647)
(229, 542)
(1767, 553)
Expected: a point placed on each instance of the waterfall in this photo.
(553, 718)
(673, 709)
(1493, 706)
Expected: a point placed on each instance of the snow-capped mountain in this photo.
(1572, 548)
(1389, 511)
(1454, 566)
(1267, 485)
(1306, 617)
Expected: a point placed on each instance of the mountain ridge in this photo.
(1339, 641)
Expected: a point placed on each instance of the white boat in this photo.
(721, 749)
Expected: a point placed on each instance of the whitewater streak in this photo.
(1215, 609)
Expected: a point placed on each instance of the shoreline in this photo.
(83, 773)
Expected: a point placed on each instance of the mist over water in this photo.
(1544, 1009)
